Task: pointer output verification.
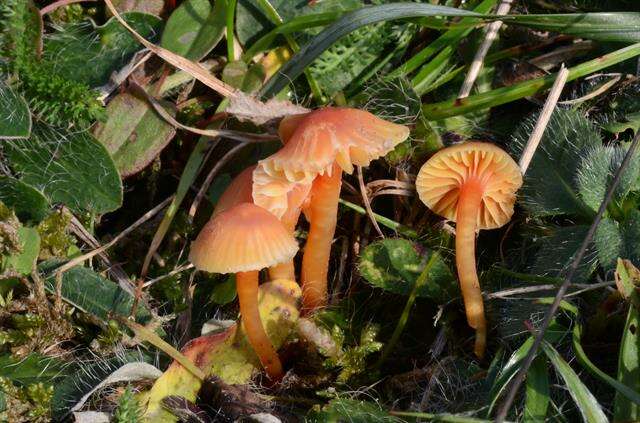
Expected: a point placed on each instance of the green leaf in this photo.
(246, 78)
(537, 392)
(91, 293)
(134, 134)
(507, 373)
(618, 239)
(24, 261)
(89, 54)
(15, 118)
(252, 22)
(620, 26)
(33, 368)
(394, 264)
(225, 292)
(27, 202)
(355, 54)
(195, 28)
(344, 26)
(550, 186)
(624, 409)
(596, 171)
(70, 168)
(583, 398)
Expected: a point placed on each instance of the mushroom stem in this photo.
(325, 194)
(286, 270)
(247, 287)
(471, 193)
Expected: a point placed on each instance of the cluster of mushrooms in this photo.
(253, 224)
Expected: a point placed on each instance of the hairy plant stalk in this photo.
(325, 194)
(247, 286)
(467, 215)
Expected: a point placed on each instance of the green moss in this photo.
(55, 240)
(128, 410)
(31, 403)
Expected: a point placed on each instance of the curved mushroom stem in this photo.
(247, 287)
(286, 270)
(325, 194)
(466, 221)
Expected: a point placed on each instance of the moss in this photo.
(55, 240)
(26, 404)
(128, 410)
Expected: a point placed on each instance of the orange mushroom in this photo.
(318, 146)
(242, 240)
(240, 191)
(473, 184)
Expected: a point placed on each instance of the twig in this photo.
(543, 120)
(119, 77)
(205, 185)
(180, 62)
(168, 275)
(478, 60)
(234, 135)
(53, 6)
(519, 378)
(114, 269)
(76, 261)
(601, 90)
(367, 204)
(548, 287)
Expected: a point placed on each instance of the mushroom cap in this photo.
(348, 136)
(238, 191)
(440, 178)
(241, 239)
(314, 141)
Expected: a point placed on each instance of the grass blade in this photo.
(504, 95)
(345, 25)
(584, 399)
(537, 392)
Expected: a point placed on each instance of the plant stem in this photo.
(384, 221)
(231, 14)
(504, 95)
(404, 317)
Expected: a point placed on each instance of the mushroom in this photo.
(240, 191)
(318, 146)
(473, 184)
(242, 240)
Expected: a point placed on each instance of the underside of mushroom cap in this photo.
(241, 239)
(343, 135)
(440, 178)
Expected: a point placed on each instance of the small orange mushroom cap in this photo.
(315, 141)
(440, 178)
(241, 239)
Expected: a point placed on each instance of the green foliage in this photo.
(352, 360)
(27, 202)
(550, 186)
(351, 410)
(129, 410)
(26, 404)
(68, 167)
(224, 292)
(55, 240)
(15, 118)
(9, 238)
(32, 369)
(24, 261)
(395, 264)
(106, 296)
(195, 28)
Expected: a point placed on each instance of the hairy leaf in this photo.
(550, 186)
(89, 54)
(24, 261)
(558, 249)
(15, 118)
(69, 168)
(33, 368)
(537, 392)
(354, 411)
(27, 202)
(615, 240)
